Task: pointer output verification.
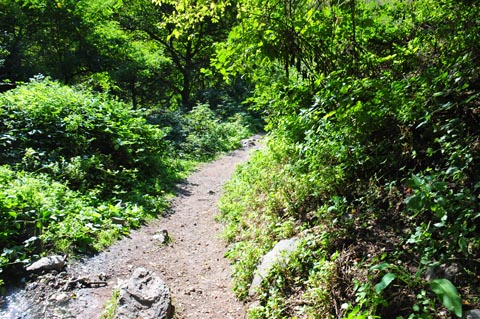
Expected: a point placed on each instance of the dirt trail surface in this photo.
(192, 264)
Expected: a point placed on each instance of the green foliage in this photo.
(84, 139)
(80, 169)
(203, 132)
(445, 213)
(111, 305)
(41, 215)
(207, 135)
(447, 292)
(240, 211)
(186, 15)
(373, 116)
(384, 282)
(84, 153)
(126, 45)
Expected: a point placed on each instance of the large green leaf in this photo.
(448, 294)
(386, 280)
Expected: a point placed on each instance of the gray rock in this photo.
(145, 296)
(162, 237)
(60, 297)
(472, 314)
(451, 271)
(430, 274)
(280, 254)
(448, 271)
(54, 262)
(248, 143)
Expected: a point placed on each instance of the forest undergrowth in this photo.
(104, 107)
(79, 168)
(372, 160)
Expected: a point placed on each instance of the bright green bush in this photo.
(206, 134)
(40, 215)
(80, 169)
(203, 132)
(80, 137)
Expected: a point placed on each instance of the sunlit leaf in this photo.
(448, 295)
(384, 282)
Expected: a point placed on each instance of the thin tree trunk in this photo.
(354, 36)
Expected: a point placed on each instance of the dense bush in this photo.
(206, 134)
(82, 138)
(40, 215)
(79, 170)
(202, 133)
(373, 160)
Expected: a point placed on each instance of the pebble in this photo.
(59, 297)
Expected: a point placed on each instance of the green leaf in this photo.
(417, 181)
(416, 202)
(462, 243)
(381, 266)
(386, 280)
(448, 295)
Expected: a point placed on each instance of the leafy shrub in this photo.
(374, 140)
(42, 215)
(202, 132)
(81, 169)
(85, 139)
(207, 135)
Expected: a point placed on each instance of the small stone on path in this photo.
(162, 237)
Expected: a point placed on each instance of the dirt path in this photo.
(192, 265)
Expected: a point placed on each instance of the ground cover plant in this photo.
(372, 159)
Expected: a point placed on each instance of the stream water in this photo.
(45, 297)
(18, 306)
(39, 300)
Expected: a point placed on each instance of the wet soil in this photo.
(192, 263)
